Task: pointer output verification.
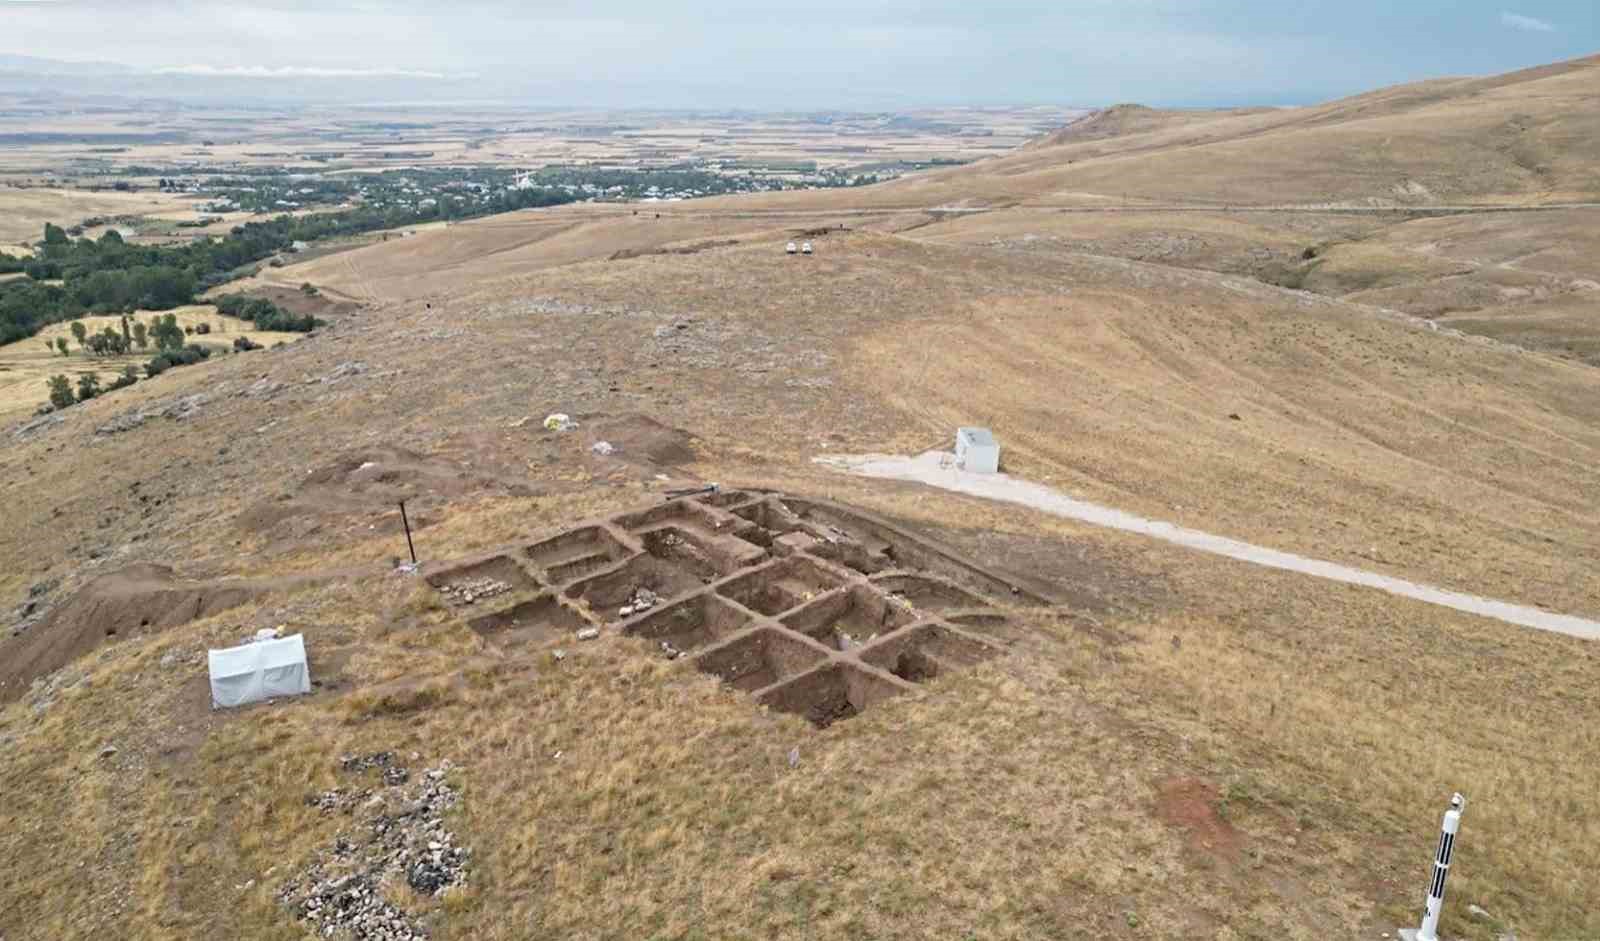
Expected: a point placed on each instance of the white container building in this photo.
(977, 451)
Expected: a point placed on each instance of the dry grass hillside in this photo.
(1182, 746)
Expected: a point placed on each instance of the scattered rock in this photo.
(108, 751)
(181, 408)
(340, 892)
(341, 372)
(603, 448)
(263, 388)
(1480, 913)
(672, 652)
(559, 421)
(473, 590)
(642, 599)
(589, 633)
(30, 428)
(794, 757)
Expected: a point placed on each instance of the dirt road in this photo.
(937, 469)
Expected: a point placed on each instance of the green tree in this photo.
(141, 335)
(167, 334)
(61, 344)
(55, 235)
(79, 331)
(111, 342)
(88, 386)
(130, 375)
(60, 392)
(127, 334)
(308, 289)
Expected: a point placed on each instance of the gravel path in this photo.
(937, 469)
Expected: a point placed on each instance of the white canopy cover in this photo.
(261, 670)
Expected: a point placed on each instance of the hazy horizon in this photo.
(828, 54)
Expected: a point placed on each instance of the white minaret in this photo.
(1441, 868)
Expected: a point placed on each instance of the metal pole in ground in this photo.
(407, 523)
(1441, 868)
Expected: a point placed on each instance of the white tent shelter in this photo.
(258, 671)
(977, 451)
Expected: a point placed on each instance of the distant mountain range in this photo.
(33, 77)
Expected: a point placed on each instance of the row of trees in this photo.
(164, 332)
(62, 394)
(265, 314)
(109, 275)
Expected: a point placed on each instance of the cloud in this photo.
(1525, 23)
(290, 71)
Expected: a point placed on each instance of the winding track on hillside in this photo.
(936, 470)
(1134, 208)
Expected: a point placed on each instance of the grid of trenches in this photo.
(811, 607)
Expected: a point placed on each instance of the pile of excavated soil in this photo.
(639, 438)
(142, 598)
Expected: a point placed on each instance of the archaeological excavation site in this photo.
(811, 607)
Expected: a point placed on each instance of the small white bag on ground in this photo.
(263, 670)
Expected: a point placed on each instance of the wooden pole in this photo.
(407, 523)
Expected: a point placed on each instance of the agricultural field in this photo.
(25, 366)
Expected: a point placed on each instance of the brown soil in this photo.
(1191, 805)
(640, 438)
(140, 599)
(297, 302)
(722, 577)
(370, 485)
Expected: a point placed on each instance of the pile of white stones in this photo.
(474, 590)
(397, 834)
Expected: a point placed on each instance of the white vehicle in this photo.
(790, 249)
(805, 249)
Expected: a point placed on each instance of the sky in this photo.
(846, 54)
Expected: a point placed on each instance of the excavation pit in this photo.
(534, 622)
(685, 513)
(577, 553)
(689, 625)
(859, 614)
(759, 659)
(728, 498)
(922, 653)
(678, 547)
(777, 588)
(990, 624)
(609, 592)
(830, 694)
(479, 581)
(769, 516)
(814, 608)
(927, 595)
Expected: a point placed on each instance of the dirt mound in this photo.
(371, 483)
(139, 599)
(693, 249)
(642, 438)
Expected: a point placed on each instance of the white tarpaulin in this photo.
(262, 670)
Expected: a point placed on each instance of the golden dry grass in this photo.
(24, 211)
(611, 795)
